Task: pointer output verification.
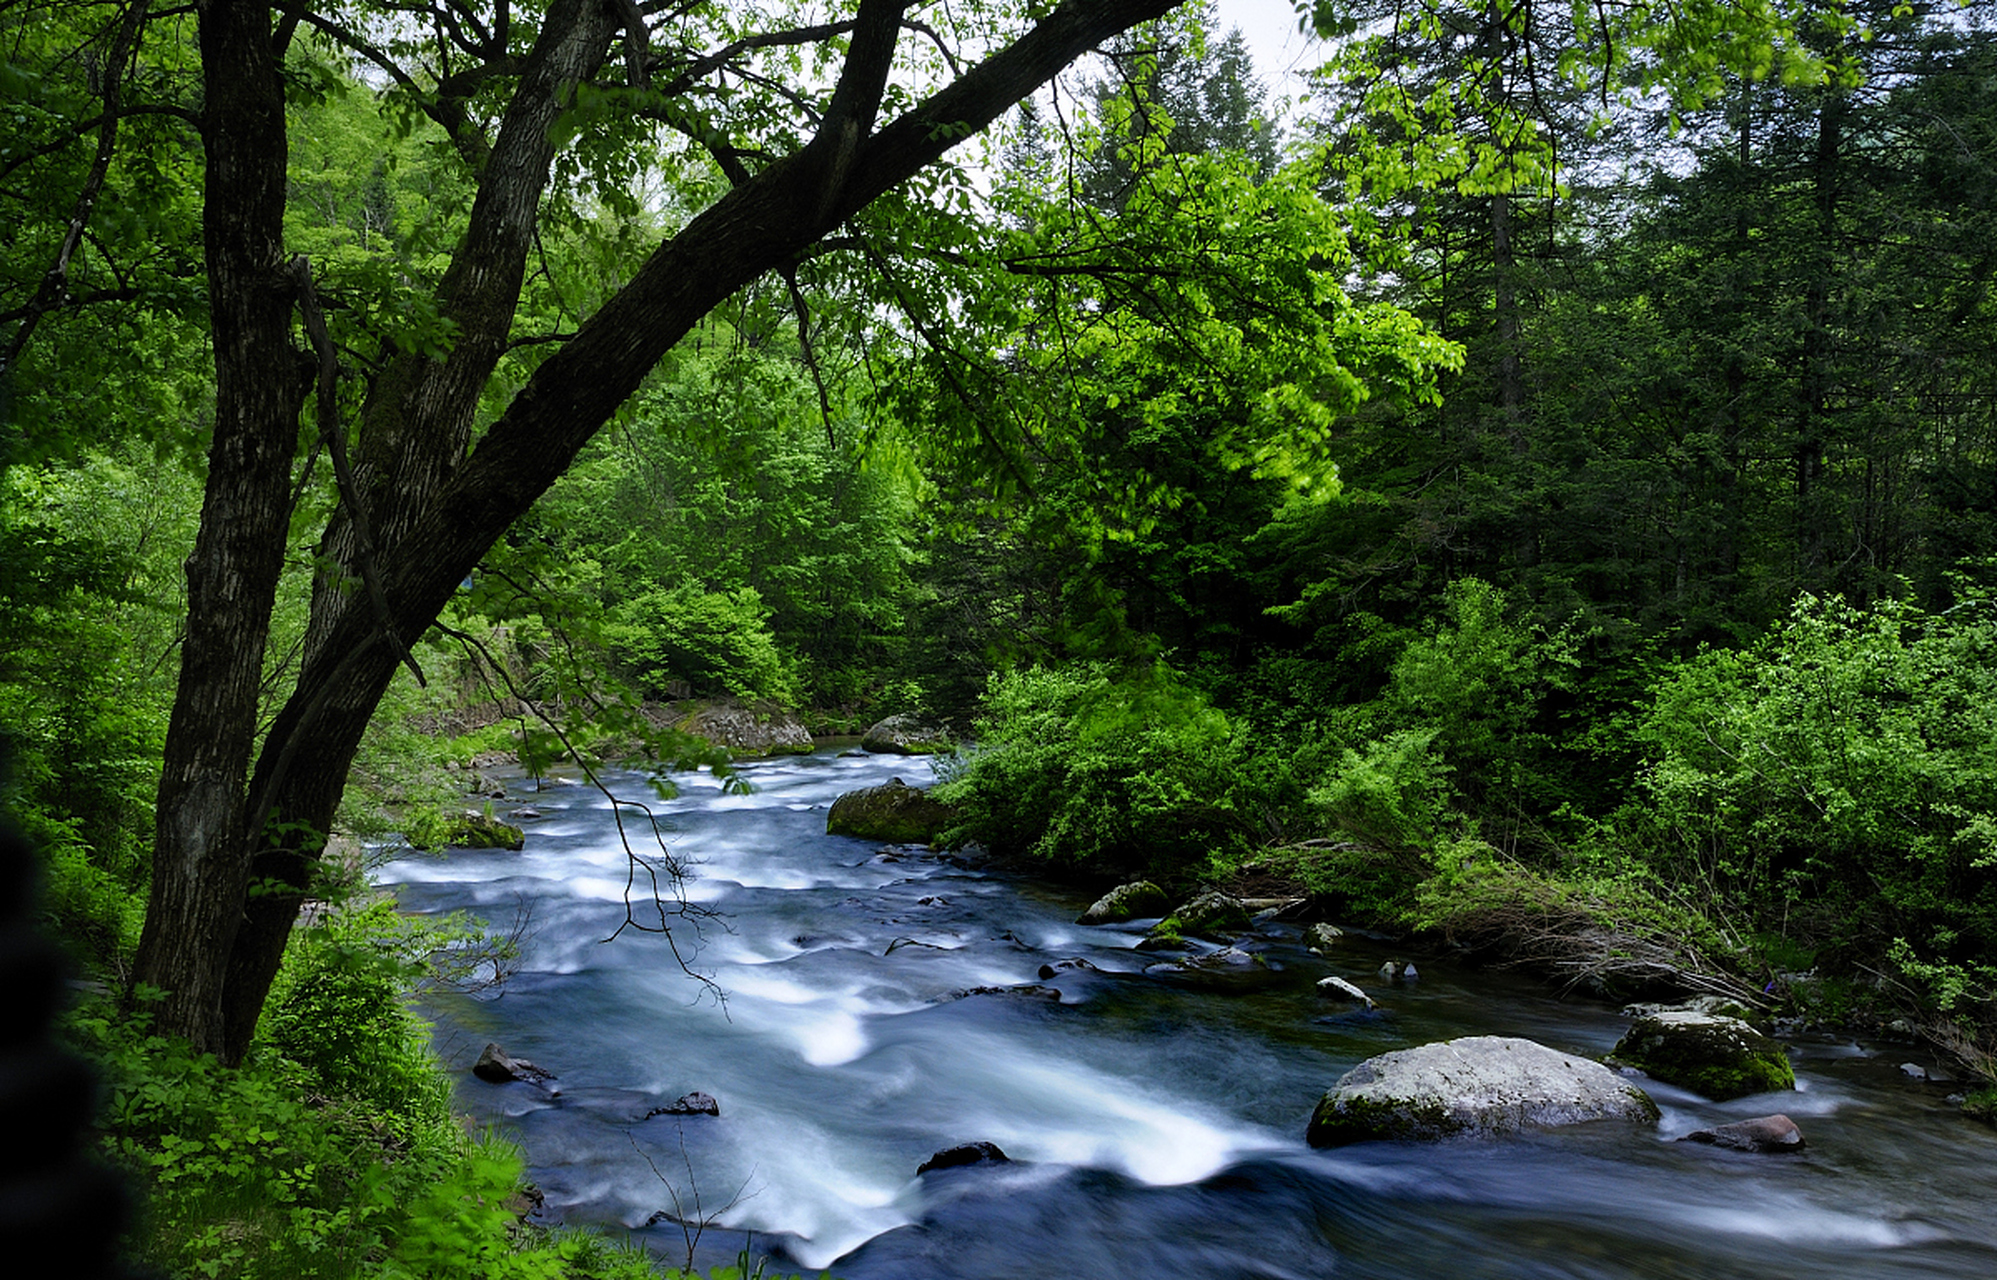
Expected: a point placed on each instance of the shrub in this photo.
(1845, 765)
(1105, 773)
(708, 641)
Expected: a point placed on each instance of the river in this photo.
(1153, 1129)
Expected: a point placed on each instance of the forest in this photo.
(1528, 486)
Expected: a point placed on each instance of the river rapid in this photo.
(1154, 1129)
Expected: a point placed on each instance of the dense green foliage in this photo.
(1502, 508)
(333, 1152)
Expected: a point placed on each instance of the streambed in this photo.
(1154, 1128)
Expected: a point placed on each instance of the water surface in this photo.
(1154, 1128)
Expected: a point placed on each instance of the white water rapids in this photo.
(1152, 1127)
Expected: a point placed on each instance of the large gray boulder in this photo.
(907, 736)
(893, 812)
(1707, 1053)
(1132, 901)
(745, 729)
(1475, 1086)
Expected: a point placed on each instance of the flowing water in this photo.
(1154, 1129)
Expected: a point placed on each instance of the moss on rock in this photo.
(1716, 1056)
(893, 812)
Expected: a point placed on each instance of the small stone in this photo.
(691, 1104)
(525, 814)
(1398, 971)
(1913, 1071)
(1339, 988)
(1763, 1133)
(1073, 963)
(1321, 938)
(496, 1066)
(968, 1154)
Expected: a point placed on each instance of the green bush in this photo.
(1395, 794)
(1838, 778)
(710, 641)
(332, 1152)
(1105, 773)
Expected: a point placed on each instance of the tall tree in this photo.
(808, 119)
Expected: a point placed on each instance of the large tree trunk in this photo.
(201, 850)
(437, 511)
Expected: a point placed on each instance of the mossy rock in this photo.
(1211, 915)
(467, 830)
(1131, 901)
(1717, 1057)
(746, 729)
(893, 812)
(906, 735)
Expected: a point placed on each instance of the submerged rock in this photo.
(1073, 964)
(496, 1066)
(691, 1104)
(1769, 1134)
(1475, 1086)
(1716, 1056)
(906, 735)
(893, 811)
(957, 1157)
(1132, 901)
(1399, 971)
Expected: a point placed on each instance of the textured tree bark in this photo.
(201, 848)
(436, 510)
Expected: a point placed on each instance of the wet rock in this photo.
(467, 830)
(1132, 901)
(1398, 971)
(1321, 938)
(1777, 1133)
(496, 1066)
(527, 814)
(1475, 1086)
(968, 1154)
(894, 812)
(906, 735)
(1719, 1057)
(1074, 964)
(1717, 1006)
(1932, 1075)
(1025, 990)
(932, 901)
(1228, 971)
(527, 1202)
(746, 729)
(1163, 942)
(691, 1104)
(1211, 915)
(1339, 989)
